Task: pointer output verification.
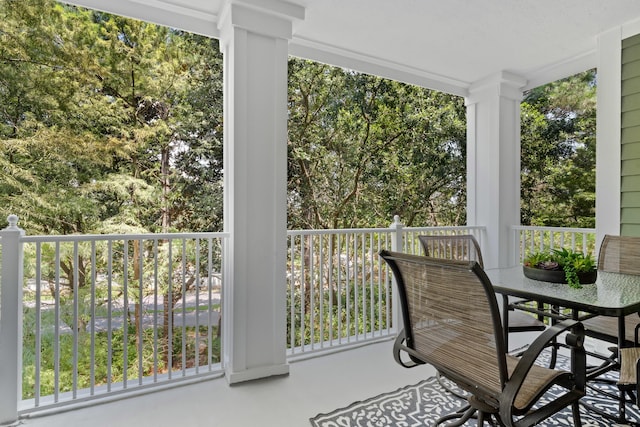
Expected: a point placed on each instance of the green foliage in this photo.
(558, 153)
(91, 101)
(93, 354)
(362, 149)
(89, 98)
(344, 312)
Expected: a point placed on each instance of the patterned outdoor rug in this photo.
(425, 402)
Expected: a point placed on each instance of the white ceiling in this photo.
(443, 44)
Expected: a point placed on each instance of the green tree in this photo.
(363, 148)
(558, 153)
(90, 98)
(40, 86)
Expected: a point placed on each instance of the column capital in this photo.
(503, 84)
(273, 18)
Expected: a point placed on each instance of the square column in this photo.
(254, 42)
(608, 135)
(493, 163)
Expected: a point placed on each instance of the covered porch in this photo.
(488, 53)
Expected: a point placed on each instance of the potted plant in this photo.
(561, 266)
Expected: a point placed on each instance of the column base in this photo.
(256, 373)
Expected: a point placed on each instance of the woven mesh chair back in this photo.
(462, 247)
(620, 254)
(451, 319)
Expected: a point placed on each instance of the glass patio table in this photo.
(613, 294)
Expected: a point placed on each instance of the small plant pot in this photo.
(557, 276)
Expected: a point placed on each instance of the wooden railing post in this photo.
(11, 321)
(397, 245)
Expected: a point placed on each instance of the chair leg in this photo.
(485, 411)
(461, 417)
(577, 422)
(492, 419)
(480, 419)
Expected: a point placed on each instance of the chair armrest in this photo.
(399, 347)
(575, 340)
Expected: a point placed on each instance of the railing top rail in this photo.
(339, 231)
(559, 229)
(447, 228)
(382, 230)
(102, 237)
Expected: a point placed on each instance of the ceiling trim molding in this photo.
(630, 29)
(559, 70)
(336, 56)
(192, 12)
(158, 12)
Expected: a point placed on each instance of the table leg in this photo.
(622, 410)
(505, 320)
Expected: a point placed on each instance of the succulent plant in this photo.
(570, 261)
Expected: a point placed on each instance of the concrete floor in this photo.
(316, 385)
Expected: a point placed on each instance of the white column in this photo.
(11, 321)
(493, 163)
(255, 46)
(608, 122)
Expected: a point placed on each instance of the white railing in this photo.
(105, 314)
(91, 322)
(529, 239)
(340, 293)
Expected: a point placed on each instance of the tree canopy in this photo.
(362, 149)
(108, 124)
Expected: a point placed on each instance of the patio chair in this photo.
(465, 247)
(630, 368)
(618, 254)
(452, 321)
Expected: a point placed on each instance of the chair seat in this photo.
(606, 327)
(523, 322)
(452, 352)
(539, 378)
(628, 362)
